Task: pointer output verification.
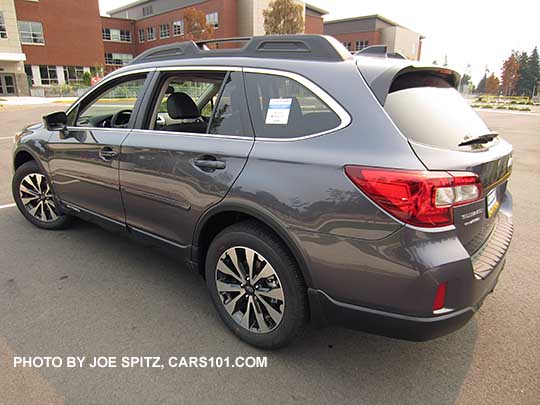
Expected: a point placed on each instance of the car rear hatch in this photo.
(446, 135)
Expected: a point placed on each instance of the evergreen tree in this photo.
(534, 68)
(524, 76)
(481, 87)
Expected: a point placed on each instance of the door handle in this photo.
(210, 164)
(107, 153)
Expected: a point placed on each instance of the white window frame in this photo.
(147, 10)
(164, 28)
(213, 19)
(153, 31)
(116, 35)
(124, 58)
(49, 69)
(3, 27)
(178, 28)
(37, 35)
(142, 35)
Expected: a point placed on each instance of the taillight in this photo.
(440, 296)
(421, 198)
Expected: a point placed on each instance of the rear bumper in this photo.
(326, 311)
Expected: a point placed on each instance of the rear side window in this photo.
(428, 110)
(283, 108)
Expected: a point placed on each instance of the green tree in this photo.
(481, 87)
(524, 77)
(534, 68)
(284, 17)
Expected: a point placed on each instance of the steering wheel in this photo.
(121, 119)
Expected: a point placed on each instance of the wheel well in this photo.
(221, 221)
(21, 158)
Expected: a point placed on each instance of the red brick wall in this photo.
(314, 25)
(72, 30)
(227, 23)
(120, 47)
(374, 38)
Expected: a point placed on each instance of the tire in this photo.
(35, 199)
(275, 298)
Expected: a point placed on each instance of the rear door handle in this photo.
(210, 164)
(107, 153)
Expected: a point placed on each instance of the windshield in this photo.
(434, 115)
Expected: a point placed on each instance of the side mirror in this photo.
(56, 121)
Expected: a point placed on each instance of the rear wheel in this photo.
(256, 286)
(34, 197)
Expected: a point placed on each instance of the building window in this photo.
(73, 74)
(348, 45)
(29, 74)
(361, 45)
(113, 34)
(147, 11)
(164, 31)
(31, 32)
(150, 33)
(48, 75)
(178, 28)
(118, 59)
(141, 36)
(213, 19)
(3, 29)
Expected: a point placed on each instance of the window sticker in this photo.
(278, 111)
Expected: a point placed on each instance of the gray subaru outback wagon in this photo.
(305, 183)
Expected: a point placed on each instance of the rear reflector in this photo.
(440, 297)
(420, 198)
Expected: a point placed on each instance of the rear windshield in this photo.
(428, 110)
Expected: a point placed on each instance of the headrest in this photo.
(182, 106)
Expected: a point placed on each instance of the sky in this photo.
(472, 34)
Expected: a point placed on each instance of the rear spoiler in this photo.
(380, 73)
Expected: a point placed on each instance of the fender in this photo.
(250, 209)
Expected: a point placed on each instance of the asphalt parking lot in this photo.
(86, 292)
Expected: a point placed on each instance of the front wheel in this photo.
(256, 286)
(34, 198)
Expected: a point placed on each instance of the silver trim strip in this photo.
(325, 97)
(190, 134)
(200, 67)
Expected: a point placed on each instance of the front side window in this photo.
(141, 35)
(164, 31)
(283, 108)
(31, 32)
(151, 33)
(112, 106)
(178, 28)
(48, 74)
(213, 19)
(118, 59)
(3, 29)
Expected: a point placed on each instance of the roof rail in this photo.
(380, 51)
(303, 47)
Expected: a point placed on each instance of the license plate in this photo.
(492, 203)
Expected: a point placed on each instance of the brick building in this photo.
(360, 32)
(53, 42)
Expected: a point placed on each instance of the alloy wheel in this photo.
(36, 196)
(250, 289)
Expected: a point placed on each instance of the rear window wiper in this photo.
(480, 139)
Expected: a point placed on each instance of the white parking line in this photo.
(506, 112)
(3, 138)
(7, 206)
